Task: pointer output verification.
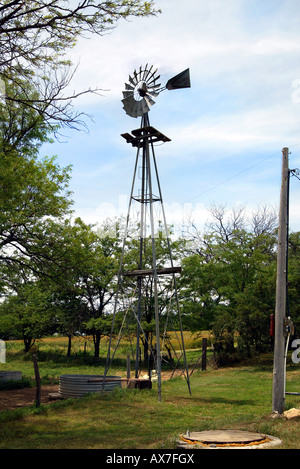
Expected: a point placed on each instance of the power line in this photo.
(238, 174)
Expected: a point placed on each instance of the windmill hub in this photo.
(143, 90)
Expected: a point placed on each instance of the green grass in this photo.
(238, 397)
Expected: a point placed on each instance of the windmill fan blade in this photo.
(132, 80)
(145, 106)
(149, 100)
(129, 104)
(128, 101)
(127, 94)
(155, 86)
(139, 108)
(146, 72)
(137, 76)
(153, 80)
(182, 80)
(152, 76)
(135, 108)
(132, 112)
(153, 89)
(141, 72)
(153, 94)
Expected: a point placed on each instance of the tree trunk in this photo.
(28, 343)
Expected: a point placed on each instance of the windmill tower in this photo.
(140, 91)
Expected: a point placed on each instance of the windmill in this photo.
(139, 96)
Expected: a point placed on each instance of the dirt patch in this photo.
(16, 398)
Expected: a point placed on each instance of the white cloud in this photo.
(240, 131)
(244, 62)
(210, 37)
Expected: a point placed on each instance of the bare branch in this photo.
(34, 37)
(264, 220)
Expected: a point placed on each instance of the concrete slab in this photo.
(226, 439)
(225, 436)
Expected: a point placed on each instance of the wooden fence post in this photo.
(38, 381)
(204, 349)
(128, 368)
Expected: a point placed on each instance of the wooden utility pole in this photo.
(280, 308)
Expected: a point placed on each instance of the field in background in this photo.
(53, 361)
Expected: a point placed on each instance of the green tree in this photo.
(228, 284)
(32, 195)
(97, 282)
(84, 291)
(69, 311)
(293, 309)
(25, 314)
(33, 192)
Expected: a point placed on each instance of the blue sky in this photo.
(227, 131)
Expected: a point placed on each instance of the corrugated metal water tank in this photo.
(78, 385)
(10, 376)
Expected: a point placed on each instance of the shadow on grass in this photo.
(261, 363)
(194, 400)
